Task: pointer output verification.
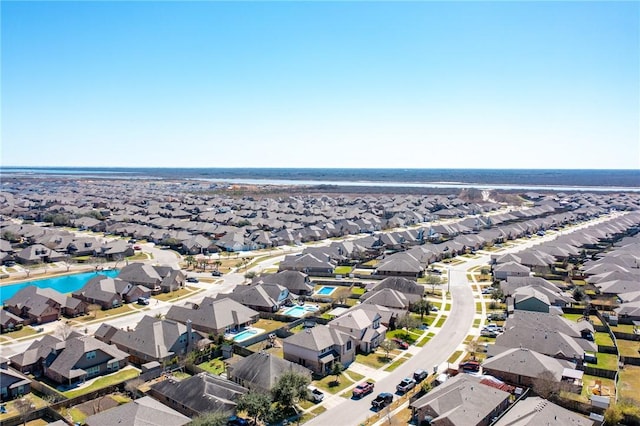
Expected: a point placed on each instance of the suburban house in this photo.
(461, 401)
(84, 357)
(400, 264)
(214, 316)
(390, 298)
(9, 321)
(538, 300)
(400, 284)
(104, 291)
(534, 411)
(295, 281)
(510, 269)
(38, 253)
(156, 278)
(261, 371)
(553, 343)
(308, 263)
(12, 383)
(143, 411)
(261, 297)
(524, 367)
(319, 347)
(115, 250)
(40, 305)
(364, 327)
(38, 355)
(199, 394)
(155, 339)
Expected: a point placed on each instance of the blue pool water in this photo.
(64, 284)
(325, 291)
(299, 311)
(244, 335)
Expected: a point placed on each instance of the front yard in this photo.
(103, 382)
(330, 385)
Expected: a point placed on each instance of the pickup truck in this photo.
(406, 385)
(382, 400)
(363, 389)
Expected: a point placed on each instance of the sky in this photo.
(360, 84)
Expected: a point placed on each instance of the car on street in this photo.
(216, 273)
(143, 300)
(406, 385)
(137, 248)
(382, 400)
(363, 389)
(420, 375)
(401, 343)
(192, 280)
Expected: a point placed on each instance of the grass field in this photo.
(329, 383)
(606, 361)
(628, 348)
(603, 339)
(454, 357)
(214, 366)
(630, 382)
(103, 382)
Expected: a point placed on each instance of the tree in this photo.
(63, 331)
(216, 418)
(190, 260)
(473, 347)
(409, 321)
(578, 293)
(613, 415)
(433, 280)
(289, 388)
(497, 294)
(546, 385)
(23, 406)
(421, 307)
(93, 309)
(336, 370)
(387, 346)
(256, 404)
(250, 275)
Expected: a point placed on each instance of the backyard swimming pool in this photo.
(326, 290)
(246, 334)
(64, 284)
(299, 311)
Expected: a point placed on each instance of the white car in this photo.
(315, 394)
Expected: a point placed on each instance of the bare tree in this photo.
(63, 331)
(93, 309)
(387, 346)
(546, 385)
(132, 387)
(24, 407)
(473, 347)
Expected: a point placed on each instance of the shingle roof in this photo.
(145, 411)
(534, 411)
(261, 370)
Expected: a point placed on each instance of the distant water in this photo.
(64, 284)
(529, 179)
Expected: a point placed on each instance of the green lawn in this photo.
(608, 387)
(623, 328)
(343, 270)
(440, 321)
(329, 383)
(214, 366)
(397, 363)
(603, 339)
(423, 342)
(373, 360)
(573, 317)
(103, 382)
(479, 307)
(447, 307)
(476, 322)
(454, 357)
(124, 309)
(606, 361)
(402, 334)
(358, 290)
(23, 332)
(165, 297)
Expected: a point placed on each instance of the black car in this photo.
(237, 421)
(192, 280)
(216, 273)
(382, 400)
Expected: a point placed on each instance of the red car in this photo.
(401, 343)
(137, 248)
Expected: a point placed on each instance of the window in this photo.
(348, 345)
(91, 354)
(114, 366)
(92, 371)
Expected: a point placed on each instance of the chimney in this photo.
(189, 335)
(234, 315)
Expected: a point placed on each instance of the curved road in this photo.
(437, 351)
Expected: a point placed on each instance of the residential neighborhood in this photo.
(183, 299)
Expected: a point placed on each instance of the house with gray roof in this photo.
(84, 357)
(295, 281)
(308, 263)
(553, 343)
(199, 394)
(41, 305)
(9, 321)
(37, 253)
(38, 355)
(261, 297)
(390, 298)
(365, 327)
(155, 339)
(401, 264)
(505, 270)
(461, 401)
(400, 284)
(535, 411)
(12, 384)
(105, 291)
(214, 315)
(144, 411)
(114, 250)
(317, 348)
(260, 371)
(525, 367)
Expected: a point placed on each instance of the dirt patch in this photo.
(97, 405)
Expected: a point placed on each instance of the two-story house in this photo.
(319, 347)
(364, 327)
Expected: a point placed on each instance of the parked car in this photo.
(488, 332)
(494, 327)
(401, 343)
(137, 248)
(420, 375)
(406, 385)
(315, 394)
(382, 400)
(192, 280)
(216, 273)
(143, 300)
(237, 421)
(363, 389)
(469, 366)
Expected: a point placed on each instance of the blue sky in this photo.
(321, 84)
